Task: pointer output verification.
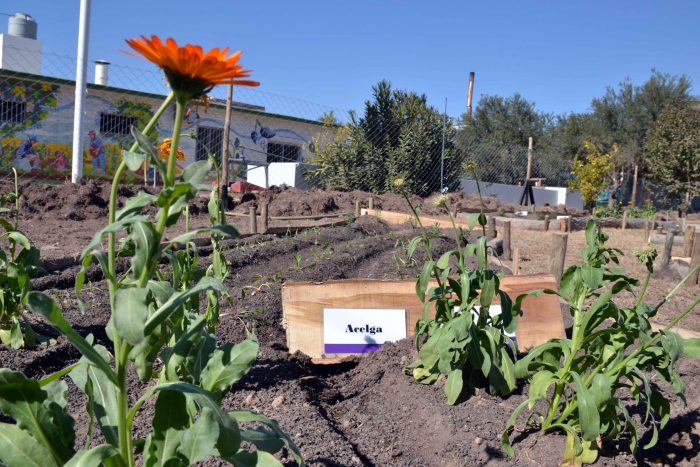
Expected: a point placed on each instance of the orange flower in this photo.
(164, 149)
(188, 69)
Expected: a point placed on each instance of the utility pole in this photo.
(442, 152)
(225, 153)
(470, 95)
(80, 91)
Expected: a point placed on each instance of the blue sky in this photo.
(559, 54)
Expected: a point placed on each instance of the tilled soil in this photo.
(364, 411)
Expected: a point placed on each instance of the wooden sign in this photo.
(303, 305)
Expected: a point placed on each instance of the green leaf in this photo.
(199, 440)
(588, 414)
(691, 347)
(444, 260)
(134, 205)
(592, 276)
(422, 284)
(18, 447)
(454, 385)
(488, 290)
(254, 459)
(195, 174)
(412, 245)
(146, 244)
(601, 389)
(45, 306)
(177, 299)
(226, 230)
(133, 160)
(169, 422)
(169, 195)
(228, 365)
(146, 146)
(505, 436)
(101, 393)
(22, 399)
(16, 336)
(130, 313)
(104, 454)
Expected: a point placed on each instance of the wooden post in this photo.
(370, 203)
(634, 184)
(470, 95)
(506, 240)
(565, 224)
(529, 157)
(668, 246)
(516, 261)
(647, 230)
(491, 228)
(624, 219)
(546, 223)
(264, 217)
(688, 237)
(660, 229)
(694, 261)
(253, 220)
(226, 153)
(357, 208)
(558, 254)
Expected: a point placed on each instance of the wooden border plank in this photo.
(303, 304)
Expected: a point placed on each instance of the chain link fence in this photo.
(326, 145)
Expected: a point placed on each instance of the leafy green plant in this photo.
(464, 340)
(152, 320)
(648, 211)
(17, 266)
(578, 385)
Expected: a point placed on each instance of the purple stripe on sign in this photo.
(350, 348)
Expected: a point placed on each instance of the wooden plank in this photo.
(303, 304)
(392, 217)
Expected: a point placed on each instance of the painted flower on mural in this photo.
(19, 91)
(46, 87)
(190, 71)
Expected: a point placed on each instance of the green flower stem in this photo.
(122, 348)
(643, 290)
(677, 287)
(111, 237)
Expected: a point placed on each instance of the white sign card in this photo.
(360, 330)
(494, 310)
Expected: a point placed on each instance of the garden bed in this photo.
(364, 411)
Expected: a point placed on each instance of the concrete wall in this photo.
(50, 106)
(512, 193)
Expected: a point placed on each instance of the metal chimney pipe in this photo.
(102, 72)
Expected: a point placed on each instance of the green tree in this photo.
(399, 135)
(496, 140)
(593, 171)
(673, 152)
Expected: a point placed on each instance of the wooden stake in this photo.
(226, 153)
(688, 237)
(253, 220)
(565, 224)
(506, 240)
(624, 219)
(668, 246)
(370, 203)
(694, 261)
(546, 223)
(357, 208)
(634, 185)
(264, 217)
(647, 230)
(516, 261)
(529, 157)
(558, 254)
(491, 229)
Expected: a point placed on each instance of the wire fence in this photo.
(330, 146)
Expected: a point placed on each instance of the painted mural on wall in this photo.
(41, 143)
